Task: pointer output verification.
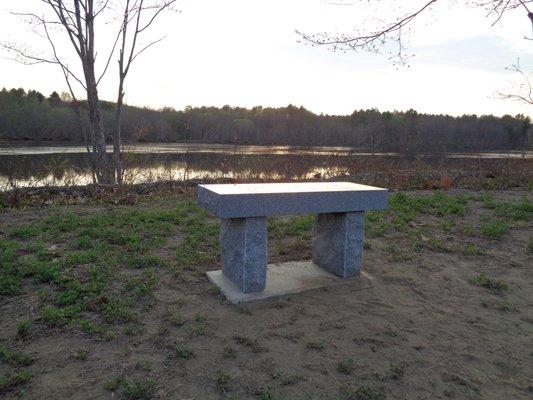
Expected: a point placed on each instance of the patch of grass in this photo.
(89, 326)
(229, 352)
(200, 241)
(84, 242)
(200, 318)
(286, 379)
(146, 261)
(494, 229)
(316, 345)
(223, 382)
(15, 357)
(178, 351)
(143, 285)
(116, 310)
(114, 384)
(529, 246)
(473, 250)
(490, 283)
(24, 232)
(405, 207)
(447, 225)
(346, 366)
(269, 395)
(506, 306)
(437, 244)
(81, 354)
(397, 371)
(24, 327)
(391, 330)
(139, 389)
(12, 381)
(295, 226)
(367, 392)
(176, 319)
(251, 343)
(48, 273)
(56, 317)
(376, 225)
(397, 255)
(520, 211)
(488, 201)
(10, 285)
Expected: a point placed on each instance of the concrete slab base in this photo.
(287, 278)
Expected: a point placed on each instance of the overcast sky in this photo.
(246, 53)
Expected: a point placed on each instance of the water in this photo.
(24, 164)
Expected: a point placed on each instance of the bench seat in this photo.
(263, 199)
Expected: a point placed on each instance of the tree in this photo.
(78, 22)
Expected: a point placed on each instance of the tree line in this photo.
(29, 115)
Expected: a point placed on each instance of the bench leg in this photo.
(244, 252)
(338, 242)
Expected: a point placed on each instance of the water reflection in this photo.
(44, 167)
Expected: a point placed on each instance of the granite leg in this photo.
(244, 252)
(338, 243)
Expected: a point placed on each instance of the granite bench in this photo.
(338, 230)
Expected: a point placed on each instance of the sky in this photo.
(247, 53)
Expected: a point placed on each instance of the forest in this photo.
(32, 116)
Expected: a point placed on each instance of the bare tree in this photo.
(376, 38)
(77, 20)
(141, 15)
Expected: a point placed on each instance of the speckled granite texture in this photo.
(255, 200)
(244, 252)
(338, 243)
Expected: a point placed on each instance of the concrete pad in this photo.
(287, 278)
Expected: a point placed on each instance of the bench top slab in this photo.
(262, 199)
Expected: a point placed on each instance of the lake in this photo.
(24, 164)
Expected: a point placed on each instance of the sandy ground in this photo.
(423, 331)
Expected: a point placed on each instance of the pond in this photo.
(24, 164)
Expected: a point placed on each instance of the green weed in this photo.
(81, 354)
(473, 250)
(223, 381)
(346, 366)
(366, 392)
(15, 357)
(397, 371)
(316, 345)
(12, 381)
(251, 343)
(490, 283)
(139, 389)
(529, 246)
(229, 352)
(177, 351)
(24, 327)
(493, 229)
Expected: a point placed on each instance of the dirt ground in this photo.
(449, 315)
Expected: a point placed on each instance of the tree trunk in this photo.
(117, 138)
(97, 126)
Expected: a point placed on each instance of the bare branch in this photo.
(376, 40)
(524, 91)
